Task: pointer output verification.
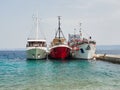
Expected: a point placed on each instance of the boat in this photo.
(59, 48)
(82, 48)
(36, 47)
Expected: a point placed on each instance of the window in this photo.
(82, 51)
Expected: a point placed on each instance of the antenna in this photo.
(74, 31)
(80, 26)
(80, 30)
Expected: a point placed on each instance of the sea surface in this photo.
(17, 73)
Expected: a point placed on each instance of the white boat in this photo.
(82, 48)
(36, 48)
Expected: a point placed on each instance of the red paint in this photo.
(60, 52)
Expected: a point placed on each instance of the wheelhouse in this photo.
(36, 43)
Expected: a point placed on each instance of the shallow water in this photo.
(17, 73)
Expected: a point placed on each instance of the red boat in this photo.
(59, 48)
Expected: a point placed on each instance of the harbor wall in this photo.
(109, 58)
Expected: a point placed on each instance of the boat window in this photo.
(82, 51)
(36, 44)
(30, 44)
(43, 44)
(88, 47)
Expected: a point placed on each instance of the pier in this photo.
(108, 58)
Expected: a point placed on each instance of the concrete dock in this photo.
(109, 58)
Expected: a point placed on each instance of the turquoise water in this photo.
(21, 74)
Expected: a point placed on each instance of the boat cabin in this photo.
(36, 43)
(58, 41)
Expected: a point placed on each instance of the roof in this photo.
(38, 40)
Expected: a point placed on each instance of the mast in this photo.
(37, 22)
(59, 29)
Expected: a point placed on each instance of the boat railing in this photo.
(36, 45)
(92, 42)
(31, 38)
(79, 42)
(54, 44)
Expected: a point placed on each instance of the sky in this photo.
(100, 19)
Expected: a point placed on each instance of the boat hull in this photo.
(36, 53)
(85, 51)
(59, 52)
